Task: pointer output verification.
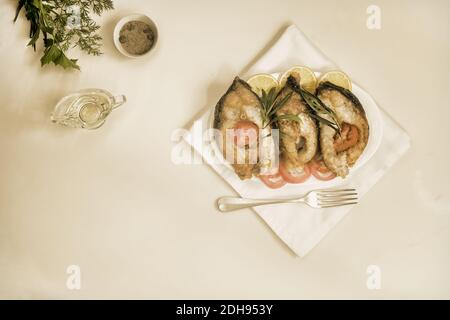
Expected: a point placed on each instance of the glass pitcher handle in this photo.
(119, 100)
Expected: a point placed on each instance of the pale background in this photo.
(112, 202)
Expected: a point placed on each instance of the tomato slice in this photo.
(348, 138)
(295, 175)
(320, 170)
(273, 181)
(245, 133)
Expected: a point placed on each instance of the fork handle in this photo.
(226, 204)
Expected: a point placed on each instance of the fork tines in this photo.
(336, 198)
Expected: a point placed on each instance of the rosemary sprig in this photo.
(292, 117)
(278, 104)
(324, 121)
(318, 107)
(270, 105)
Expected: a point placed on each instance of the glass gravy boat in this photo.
(86, 108)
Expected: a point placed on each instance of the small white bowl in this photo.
(134, 17)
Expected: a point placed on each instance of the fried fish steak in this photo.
(239, 106)
(341, 151)
(298, 139)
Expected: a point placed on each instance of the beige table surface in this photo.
(112, 202)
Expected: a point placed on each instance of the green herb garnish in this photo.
(317, 108)
(64, 24)
(270, 105)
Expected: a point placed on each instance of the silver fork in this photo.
(318, 199)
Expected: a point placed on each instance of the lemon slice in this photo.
(338, 78)
(308, 79)
(261, 82)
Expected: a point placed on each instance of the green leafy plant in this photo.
(64, 24)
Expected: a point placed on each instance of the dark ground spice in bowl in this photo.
(136, 37)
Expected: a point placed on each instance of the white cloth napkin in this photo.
(301, 227)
